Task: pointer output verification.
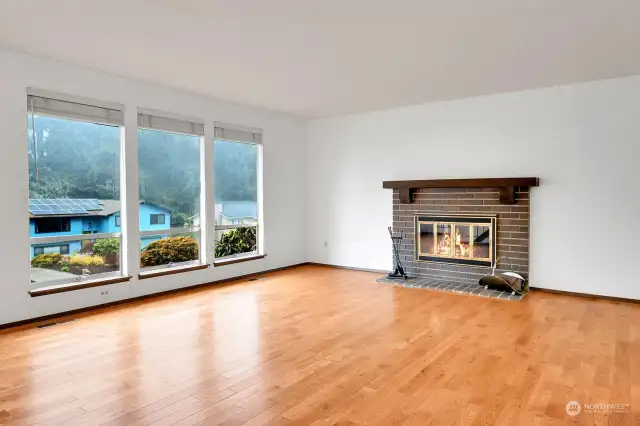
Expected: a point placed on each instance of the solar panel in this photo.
(63, 206)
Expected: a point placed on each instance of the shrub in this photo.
(107, 246)
(87, 247)
(169, 250)
(179, 219)
(240, 240)
(86, 260)
(46, 260)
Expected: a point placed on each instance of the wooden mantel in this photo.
(507, 186)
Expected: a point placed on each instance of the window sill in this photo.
(239, 259)
(170, 271)
(61, 288)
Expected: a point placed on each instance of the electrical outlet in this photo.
(105, 293)
(326, 244)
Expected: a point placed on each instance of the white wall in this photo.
(284, 179)
(582, 140)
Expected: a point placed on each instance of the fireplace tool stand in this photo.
(399, 271)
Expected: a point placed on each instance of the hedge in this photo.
(169, 250)
(46, 260)
(86, 260)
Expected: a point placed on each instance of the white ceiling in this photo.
(330, 57)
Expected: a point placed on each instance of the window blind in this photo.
(63, 106)
(228, 133)
(154, 122)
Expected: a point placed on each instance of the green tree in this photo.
(239, 240)
(179, 219)
(82, 160)
(106, 246)
(50, 187)
(235, 171)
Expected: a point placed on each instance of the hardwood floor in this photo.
(316, 345)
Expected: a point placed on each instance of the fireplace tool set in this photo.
(509, 281)
(399, 271)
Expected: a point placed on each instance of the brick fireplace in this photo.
(457, 233)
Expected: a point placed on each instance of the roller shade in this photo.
(74, 109)
(237, 134)
(154, 122)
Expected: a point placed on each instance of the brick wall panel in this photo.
(512, 228)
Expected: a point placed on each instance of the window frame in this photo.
(62, 220)
(42, 103)
(79, 109)
(251, 136)
(160, 121)
(41, 249)
(156, 216)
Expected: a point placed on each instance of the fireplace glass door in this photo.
(456, 239)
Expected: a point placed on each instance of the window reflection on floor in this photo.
(237, 325)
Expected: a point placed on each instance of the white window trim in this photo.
(260, 245)
(129, 171)
(149, 119)
(69, 107)
(237, 133)
(114, 118)
(187, 126)
(31, 91)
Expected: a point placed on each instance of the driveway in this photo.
(43, 274)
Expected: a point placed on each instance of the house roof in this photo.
(239, 209)
(109, 207)
(234, 210)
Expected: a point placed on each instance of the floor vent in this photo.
(51, 324)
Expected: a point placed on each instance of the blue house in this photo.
(63, 217)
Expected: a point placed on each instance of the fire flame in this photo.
(444, 246)
(462, 249)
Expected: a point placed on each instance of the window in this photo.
(170, 176)
(74, 176)
(52, 225)
(117, 221)
(156, 219)
(62, 249)
(237, 177)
